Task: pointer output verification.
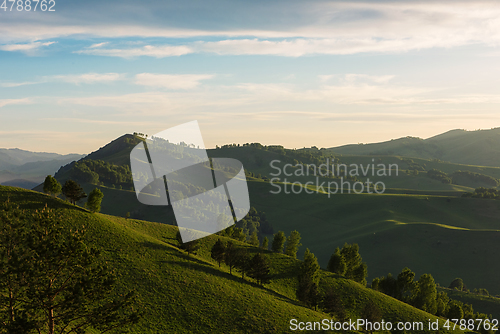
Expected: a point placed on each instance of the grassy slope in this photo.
(393, 231)
(190, 294)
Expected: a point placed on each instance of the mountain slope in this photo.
(179, 293)
(480, 148)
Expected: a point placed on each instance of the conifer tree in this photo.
(278, 242)
(73, 191)
(218, 250)
(292, 244)
(307, 278)
(259, 269)
(51, 282)
(231, 256)
(265, 243)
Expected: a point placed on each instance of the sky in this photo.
(291, 73)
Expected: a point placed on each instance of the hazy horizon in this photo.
(255, 141)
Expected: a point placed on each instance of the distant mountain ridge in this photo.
(25, 169)
(480, 147)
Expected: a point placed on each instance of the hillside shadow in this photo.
(289, 273)
(154, 245)
(181, 254)
(33, 200)
(207, 269)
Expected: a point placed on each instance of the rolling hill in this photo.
(419, 223)
(180, 293)
(480, 147)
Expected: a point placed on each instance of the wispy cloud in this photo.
(87, 78)
(171, 81)
(4, 102)
(356, 78)
(30, 49)
(97, 45)
(148, 50)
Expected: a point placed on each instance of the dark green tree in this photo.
(231, 256)
(73, 191)
(265, 243)
(332, 303)
(292, 244)
(425, 294)
(457, 284)
(405, 285)
(388, 285)
(94, 200)
(314, 297)
(61, 285)
(254, 239)
(189, 247)
(259, 269)
(455, 310)
(278, 242)
(356, 269)
(238, 234)
(308, 275)
(442, 304)
(15, 258)
(51, 186)
(218, 250)
(243, 261)
(337, 264)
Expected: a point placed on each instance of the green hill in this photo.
(420, 222)
(422, 218)
(483, 304)
(180, 293)
(480, 148)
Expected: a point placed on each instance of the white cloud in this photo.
(352, 77)
(171, 81)
(28, 48)
(88, 78)
(316, 28)
(148, 50)
(97, 45)
(4, 102)
(17, 84)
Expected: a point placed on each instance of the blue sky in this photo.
(295, 73)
